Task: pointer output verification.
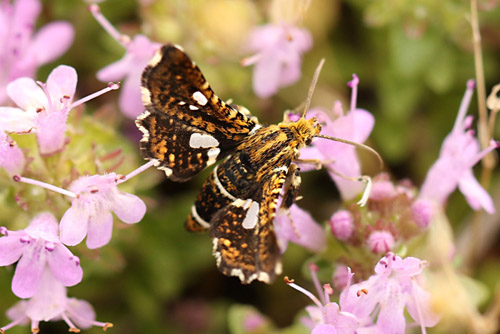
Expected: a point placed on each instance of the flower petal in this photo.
(11, 157)
(16, 120)
(115, 71)
(129, 208)
(324, 329)
(74, 224)
(51, 131)
(100, 230)
(62, 83)
(266, 75)
(49, 301)
(51, 41)
(65, 266)
(302, 230)
(27, 94)
(474, 193)
(85, 312)
(130, 100)
(29, 271)
(11, 250)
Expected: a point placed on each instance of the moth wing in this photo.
(243, 235)
(185, 127)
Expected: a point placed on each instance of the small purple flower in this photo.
(23, 51)
(298, 226)
(342, 225)
(50, 303)
(44, 108)
(278, 59)
(139, 51)
(325, 316)
(339, 158)
(379, 302)
(37, 247)
(11, 157)
(459, 153)
(95, 197)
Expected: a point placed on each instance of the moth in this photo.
(186, 128)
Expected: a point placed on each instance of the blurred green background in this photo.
(413, 58)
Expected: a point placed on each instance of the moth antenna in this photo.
(312, 86)
(362, 146)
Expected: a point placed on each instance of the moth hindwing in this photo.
(186, 128)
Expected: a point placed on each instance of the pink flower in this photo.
(44, 108)
(339, 158)
(11, 157)
(23, 51)
(50, 303)
(278, 59)
(379, 302)
(95, 197)
(459, 153)
(298, 226)
(139, 52)
(37, 247)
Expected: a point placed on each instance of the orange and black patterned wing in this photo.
(185, 127)
(243, 235)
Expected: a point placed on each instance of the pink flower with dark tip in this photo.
(278, 58)
(35, 248)
(24, 50)
(95, 197)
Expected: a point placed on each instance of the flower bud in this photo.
(342, 225)
(380, 241)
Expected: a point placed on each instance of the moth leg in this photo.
(317, 162)
(291, 187)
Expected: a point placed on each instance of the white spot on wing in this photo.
(145, 96)
(198, 140)
(167, 170)
(264, 277)
(200, 98)
(193, 107)
(198, 219)
(182, 103)
(213, 153)
(238, 273)
(252, 216)
(215, 244)
(156, 58)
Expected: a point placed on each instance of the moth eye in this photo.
(308, 141)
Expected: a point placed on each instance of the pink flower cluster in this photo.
(374, 306)
(45, 266)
